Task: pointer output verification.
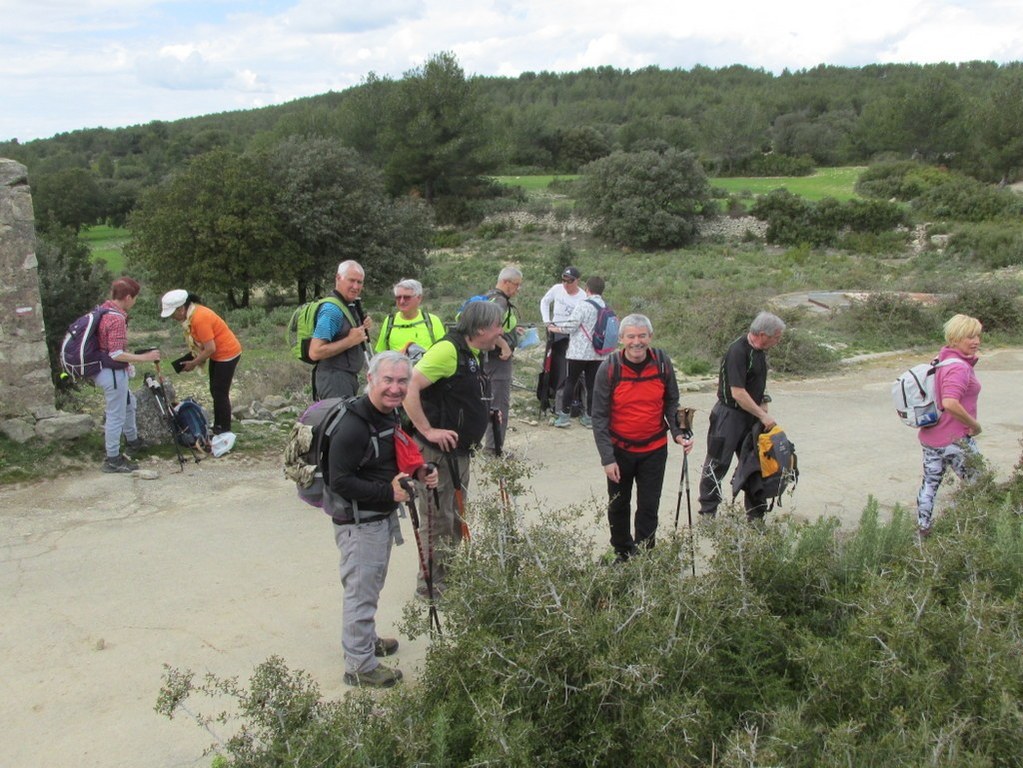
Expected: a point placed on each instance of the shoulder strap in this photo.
(337, 302)
(389, 322)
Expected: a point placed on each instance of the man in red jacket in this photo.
(635, 404)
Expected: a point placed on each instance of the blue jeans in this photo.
(120, 414)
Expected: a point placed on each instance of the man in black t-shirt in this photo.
(742, 402)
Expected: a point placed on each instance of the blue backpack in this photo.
(191, 425)
(605, 330)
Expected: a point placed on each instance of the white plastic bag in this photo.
(222, 443)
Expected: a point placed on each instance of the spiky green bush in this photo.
(797, 644)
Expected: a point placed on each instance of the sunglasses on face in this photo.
(568, 279)
(403, 298)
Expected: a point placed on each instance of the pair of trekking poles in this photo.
(425, 558)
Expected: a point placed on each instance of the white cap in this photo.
(172, 300)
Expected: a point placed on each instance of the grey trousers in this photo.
(120, 413)
(365, 553)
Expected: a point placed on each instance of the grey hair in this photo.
(636, 320)
(408, 284)
(768, 324)
(346, 266)
(478, 316)
(510, 273)
(389, 356)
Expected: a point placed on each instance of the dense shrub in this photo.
(899, 180)
(964, 199)
(996, 305)
(776, 165)
(794, 643)
(792, 220)
(990, 245)
(888, 320)
(800, 354)
(646, 199)
(70, 284)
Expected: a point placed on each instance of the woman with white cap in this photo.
(209, 339)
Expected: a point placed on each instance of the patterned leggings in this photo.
(936, 461)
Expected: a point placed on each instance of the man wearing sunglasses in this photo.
(411, 324)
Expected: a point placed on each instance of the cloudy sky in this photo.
(69, 64)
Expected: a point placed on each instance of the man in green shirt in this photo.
(410, 324)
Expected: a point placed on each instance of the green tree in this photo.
(647, 199)
(70, 197)
(211, 228)
(1001, 127)
(436, 134)
(70, 284)
(332, 206)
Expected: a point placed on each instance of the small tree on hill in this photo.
(647, 199)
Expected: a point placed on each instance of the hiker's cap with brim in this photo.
(172, 300)
(571, 272)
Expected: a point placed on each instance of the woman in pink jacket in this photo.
(950, 442)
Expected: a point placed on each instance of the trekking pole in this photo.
(685, 421)
(495, 424)
(160, 396)
(362, 317)
(543, 392)
(456, 480)
(433, 617)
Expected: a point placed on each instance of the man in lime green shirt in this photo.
(410, 324)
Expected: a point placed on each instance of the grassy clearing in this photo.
(826, 182)
(534, 184)
(107, 243)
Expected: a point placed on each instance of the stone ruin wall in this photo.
(26, 389)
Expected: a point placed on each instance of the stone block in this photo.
(152, 421)
(65, 427)
(18, 430)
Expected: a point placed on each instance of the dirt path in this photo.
(106, 578)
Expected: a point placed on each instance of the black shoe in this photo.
(135, 445)
(385, 646)
(119, 463)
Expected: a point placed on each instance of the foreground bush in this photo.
(795, 646)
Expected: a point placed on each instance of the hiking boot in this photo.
(562, 420)
(119, 463)
(137, 444)
(385, 646)
(923, 533)
(381, 677)
(586, 421)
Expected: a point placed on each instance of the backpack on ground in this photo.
(914, 396)
(80, 354)
(307, 449)
(604, 337)
(193, 430)
(299, 332)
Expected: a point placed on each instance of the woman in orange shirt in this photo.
(209, 339)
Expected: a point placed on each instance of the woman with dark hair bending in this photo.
(209, 339)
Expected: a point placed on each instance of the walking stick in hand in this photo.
(685, 422)
(425, 566)
(456, 480)
(495, 424)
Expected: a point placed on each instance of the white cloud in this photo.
(165, 60)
